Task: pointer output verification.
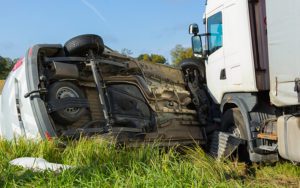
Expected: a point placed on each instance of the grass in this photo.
(1, 85)
(99, 163)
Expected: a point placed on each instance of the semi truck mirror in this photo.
(193, 29)
(197, 46)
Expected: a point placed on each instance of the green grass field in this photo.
(1, 85)
(101, 164)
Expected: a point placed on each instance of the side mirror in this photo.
(197, 46)
(193, 29)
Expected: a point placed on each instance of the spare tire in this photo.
(64, 89)
(80, 45)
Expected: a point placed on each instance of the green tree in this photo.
(180, 53)
(152, 58)
(5, 67)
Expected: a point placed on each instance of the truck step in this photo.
(268, 148)
(223, 144)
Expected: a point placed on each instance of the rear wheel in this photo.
(233, 122)
(61, 90)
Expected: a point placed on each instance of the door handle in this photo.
(223, 74)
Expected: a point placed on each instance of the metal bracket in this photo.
(297, 88)
(41, 90)
(102, 93)
(60, 104)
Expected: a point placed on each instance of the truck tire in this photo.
(59, 90)
(233, 122)
(80, 45)
(196, 64)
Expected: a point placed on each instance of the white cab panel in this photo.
(236, 55)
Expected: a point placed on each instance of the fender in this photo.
(245, 102)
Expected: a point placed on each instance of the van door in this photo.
(215, 68)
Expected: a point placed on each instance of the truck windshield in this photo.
(215, 31)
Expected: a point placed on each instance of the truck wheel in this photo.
(60, 90)
(233, 122)
(194, 64)
(80, 45)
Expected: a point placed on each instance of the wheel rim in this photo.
(66, 92)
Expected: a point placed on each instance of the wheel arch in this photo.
(245, 102)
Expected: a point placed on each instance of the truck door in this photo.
(215, 67)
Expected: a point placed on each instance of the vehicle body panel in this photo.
(284, 46)
(16, 119)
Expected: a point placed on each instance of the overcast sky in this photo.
(143, 26)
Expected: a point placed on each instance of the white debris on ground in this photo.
(38, 164)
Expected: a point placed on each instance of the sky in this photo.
(142, 26)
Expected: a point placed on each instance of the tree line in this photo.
(6, 64)
(177, 54)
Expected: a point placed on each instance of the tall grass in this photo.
(99, 163)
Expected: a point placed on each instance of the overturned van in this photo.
(85, 88)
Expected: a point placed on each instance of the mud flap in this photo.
(223, 144)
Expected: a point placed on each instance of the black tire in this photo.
(192, 63)
(80, 45)
(65, 89)
(233, 122)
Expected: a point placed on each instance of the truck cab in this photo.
(252, 67)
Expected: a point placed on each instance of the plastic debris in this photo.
(38, 164)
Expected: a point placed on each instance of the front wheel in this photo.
(233, 123)
(191, 65)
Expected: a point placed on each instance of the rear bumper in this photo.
(41, 117)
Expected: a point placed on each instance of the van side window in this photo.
(215, 31)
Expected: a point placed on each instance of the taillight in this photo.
(18, 64)
(48, 136)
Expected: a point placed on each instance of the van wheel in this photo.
(60, 90)
(233, 122)
(80, 45)
(194, 64)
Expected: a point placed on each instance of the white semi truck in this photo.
(252, 62)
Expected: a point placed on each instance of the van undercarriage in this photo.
(111, 94)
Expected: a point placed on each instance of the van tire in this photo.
(193, 63)
(80, 45)
(65, 89)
